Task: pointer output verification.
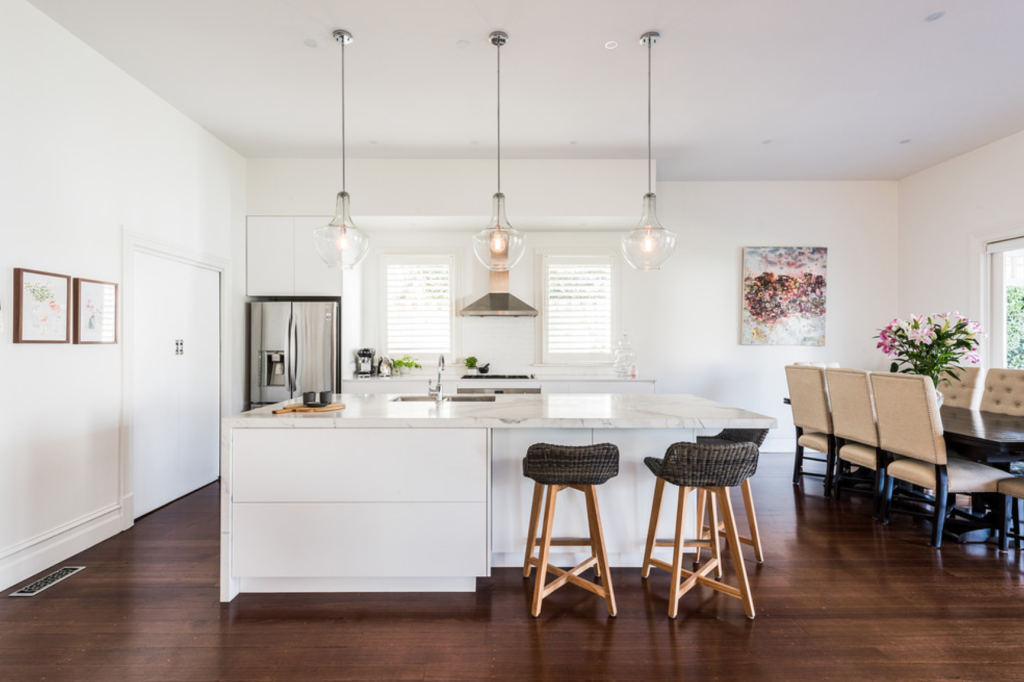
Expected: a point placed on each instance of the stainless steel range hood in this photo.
(499, 302)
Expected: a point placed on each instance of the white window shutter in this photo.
(579, 309)
(418, 308)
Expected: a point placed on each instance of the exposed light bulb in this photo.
(498, 243)
(648, 244)
(342, 241)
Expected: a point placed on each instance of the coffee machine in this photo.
(364, 363)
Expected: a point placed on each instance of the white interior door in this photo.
(176, 394)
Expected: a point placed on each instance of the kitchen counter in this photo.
(415, 496)
(516, 411)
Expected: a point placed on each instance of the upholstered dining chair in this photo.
(1004, 391)
(966, 392)
(855, 429)
(909, 424)
(812, 416)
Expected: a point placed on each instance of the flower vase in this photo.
(939, 397)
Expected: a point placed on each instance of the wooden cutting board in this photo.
(333, 407)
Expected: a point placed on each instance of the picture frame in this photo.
(95, 311)
(784, 296)
(42, 307)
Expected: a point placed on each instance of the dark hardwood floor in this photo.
(838, 598)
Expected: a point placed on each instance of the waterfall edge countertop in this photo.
(585, 411)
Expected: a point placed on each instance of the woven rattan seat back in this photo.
(571, 464)
(908, 416)
(706, 465)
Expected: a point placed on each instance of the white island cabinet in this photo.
(417, 496)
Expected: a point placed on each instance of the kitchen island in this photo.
(391, 495)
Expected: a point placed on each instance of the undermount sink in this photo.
(447, 399)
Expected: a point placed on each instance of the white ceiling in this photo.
(835, 85)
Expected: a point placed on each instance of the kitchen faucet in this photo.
(438, 390)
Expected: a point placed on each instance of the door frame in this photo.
(980, 279)
(133, 244)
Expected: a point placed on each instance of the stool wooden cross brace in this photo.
(683, 580)
(598, 560)
(755, 536)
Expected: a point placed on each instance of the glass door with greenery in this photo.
(1007, 328)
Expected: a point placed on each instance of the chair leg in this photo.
(837, 484)
(701, 502)
(531, 537)
(830, 465)
(876, 503)
(715, 538)
(733, 538)
(545, 549)
(677, 553)
(798, 462)
(883, 515)
(1016, 521)
(652, 529)
(941, 500)
(755, 533)
(597, 540)
(1004, 522)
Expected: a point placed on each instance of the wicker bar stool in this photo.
(713, 467)
(726, 437)
(557, 467)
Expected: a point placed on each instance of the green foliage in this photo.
(1015, 327)
(471, 362)
(407, 362)
(39, 292)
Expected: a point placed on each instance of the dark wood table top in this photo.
(998, 437)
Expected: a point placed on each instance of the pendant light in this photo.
(340, 243)
(499, 246)
(649, 244)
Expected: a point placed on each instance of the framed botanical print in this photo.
(41, 307)
(95, 311)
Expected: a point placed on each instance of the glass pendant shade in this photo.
(499, 246)
(649, 244)
(340, 243)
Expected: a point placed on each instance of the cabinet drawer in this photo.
(358, 540)
(359, 465)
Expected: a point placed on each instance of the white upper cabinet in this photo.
(280, 259)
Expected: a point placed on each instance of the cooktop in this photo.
(497, 376)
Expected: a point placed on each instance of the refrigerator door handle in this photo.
(291, 356)
(296, 357)
(331, 351)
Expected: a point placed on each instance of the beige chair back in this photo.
(908, 416)
(808, 395)
(853, 412)
(965, 393)
(1004, 391)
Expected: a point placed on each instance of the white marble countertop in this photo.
(430, 377)
(585, 411)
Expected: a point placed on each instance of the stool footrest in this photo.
(573, 576)
(568, 542)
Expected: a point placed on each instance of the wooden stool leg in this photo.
(597, 538)
(701, 502)
(714, 537)
(531, 537)
(733, 539)
(545, 549)
(677, 553)
(652, 530)
(755, 534)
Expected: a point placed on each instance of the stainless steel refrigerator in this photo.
(294, 346)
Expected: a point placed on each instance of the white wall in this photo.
(85, 153)
(683, 320)
(946, 213)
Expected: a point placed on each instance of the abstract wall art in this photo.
(783, 296)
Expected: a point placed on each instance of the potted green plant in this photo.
(471, 364)
(405, 363)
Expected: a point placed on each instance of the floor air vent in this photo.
(47, 581)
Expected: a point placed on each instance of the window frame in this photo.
(575, 256)
(405, 258)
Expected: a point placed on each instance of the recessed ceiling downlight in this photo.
(611, 45)
(309, 42)
(907, 141)
(935, 16)
(462, 44)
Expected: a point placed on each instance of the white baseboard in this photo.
(43, 551)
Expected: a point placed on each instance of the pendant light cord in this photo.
(342, 115)
(650, 44)
(499, 118)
